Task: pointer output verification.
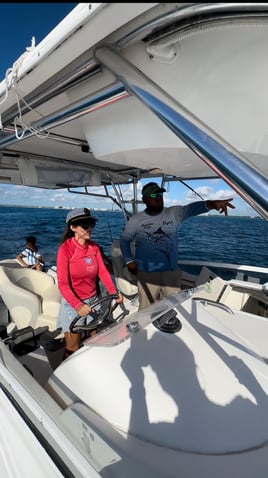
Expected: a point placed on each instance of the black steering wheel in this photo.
(99, 316)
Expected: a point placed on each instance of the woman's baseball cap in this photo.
(79, 213)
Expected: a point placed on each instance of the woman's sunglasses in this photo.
(85, 223)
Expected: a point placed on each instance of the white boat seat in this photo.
(14, 263)
(213, 285)
(238, 295)
(32, 297)
(217, 289)
(205, 275)
(247, 296)
(125, 281)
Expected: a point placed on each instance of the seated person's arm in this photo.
(39, 264)
(20, 260)
(40, 260)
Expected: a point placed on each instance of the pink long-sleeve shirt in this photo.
(78, 268)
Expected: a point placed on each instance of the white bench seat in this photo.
(31, 297)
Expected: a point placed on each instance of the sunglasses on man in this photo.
(156, 195)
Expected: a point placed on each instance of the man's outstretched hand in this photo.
(221, 205)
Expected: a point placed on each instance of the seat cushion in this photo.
(51, 299)
(34, 281)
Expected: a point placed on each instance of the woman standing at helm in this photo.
(79, 265)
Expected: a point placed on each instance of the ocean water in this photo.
(232, 239)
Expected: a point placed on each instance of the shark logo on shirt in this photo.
(157, 235)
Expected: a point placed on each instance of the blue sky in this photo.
(21, 22)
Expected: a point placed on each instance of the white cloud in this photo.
(176, 194)
(208, 192)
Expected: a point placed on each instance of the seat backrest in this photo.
(205, 275)
(23, 305)
(213, 284)
(29, 279)
(10, 263)
(125, 281)
(29, 296)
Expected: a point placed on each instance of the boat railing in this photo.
(240, 272)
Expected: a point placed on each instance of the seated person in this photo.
(30, 257)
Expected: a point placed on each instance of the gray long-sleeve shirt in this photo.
(155, 236)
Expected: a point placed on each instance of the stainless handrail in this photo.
(81, 73)
(213, 302)
(113, 92)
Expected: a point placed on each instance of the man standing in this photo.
(154, 232)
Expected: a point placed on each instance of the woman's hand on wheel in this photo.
(83, 310)
(120, 298)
